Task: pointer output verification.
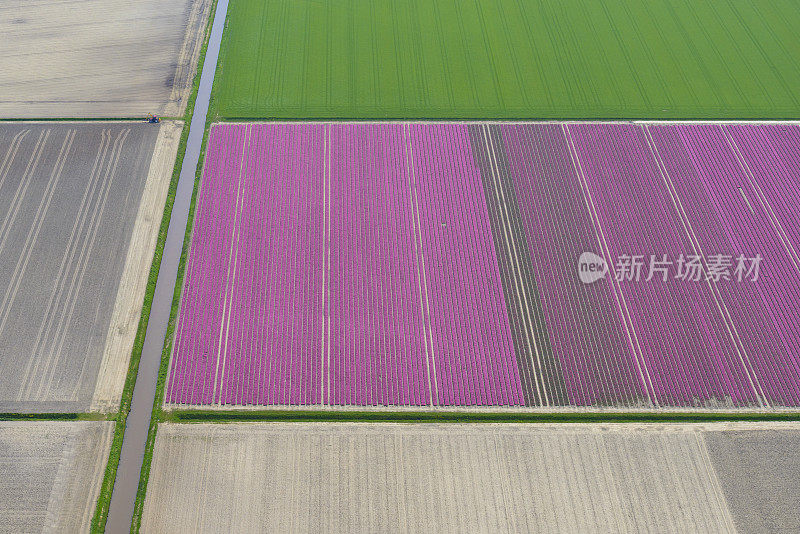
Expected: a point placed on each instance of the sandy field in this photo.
(370, 477)
(50, 474)
(760, 475)
(98, 58)
(81, 205)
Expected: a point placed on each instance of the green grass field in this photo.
(510, 59)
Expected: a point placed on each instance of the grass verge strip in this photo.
(50, 417)
(210, 416)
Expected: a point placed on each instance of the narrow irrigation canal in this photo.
(138, 422)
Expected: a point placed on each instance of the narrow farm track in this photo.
(435, 265)
(121, 507)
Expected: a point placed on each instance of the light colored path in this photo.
(98, 58)
(364, 477)
(138, 420)
(50, 474)
(132, 286)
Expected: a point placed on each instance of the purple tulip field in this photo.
(405, 264)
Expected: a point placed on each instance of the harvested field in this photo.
(758, 472)
(366, 477)
(50, 474)
(437, 265)
(509, 59)
(101, 58)
(81, 206)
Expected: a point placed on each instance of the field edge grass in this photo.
(58, 416)
(104, 498)
(304, 416)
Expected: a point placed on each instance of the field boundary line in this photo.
(422, 280)
(711, 472)
(230, 278)
(472, 409)
(451, 415)
(493, 121)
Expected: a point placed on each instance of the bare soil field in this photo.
(80, 208)
(759, 473)
(50, 474)
(101, 58)
(365, 477)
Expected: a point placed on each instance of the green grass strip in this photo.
(48, 416)
(310, 416)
